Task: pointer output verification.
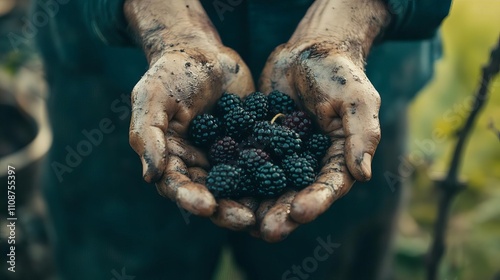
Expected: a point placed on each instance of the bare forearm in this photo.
(351, 25)
(161, 25)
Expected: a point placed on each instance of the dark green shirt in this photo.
(92, 65)
(410, 19)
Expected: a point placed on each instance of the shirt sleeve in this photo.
(415, 19)
(106, 21)
(410, 20)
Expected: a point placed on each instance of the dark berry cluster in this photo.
(259, 146)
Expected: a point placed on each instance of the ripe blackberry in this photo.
(311, 159)
(223, 179)
(299, 122)
(204, 129)
(238, 123)
(251, 159)
(318, 144)
(280, 103)
(270, 179)
(299, 171)
(285, 141)
(228, 102)
(224, 150)
(261, 134)
(257, 103)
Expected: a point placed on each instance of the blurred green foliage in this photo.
(469, 33)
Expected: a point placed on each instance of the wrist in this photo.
(160, 26)
(348, 28)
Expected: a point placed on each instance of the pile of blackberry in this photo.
(259, 146)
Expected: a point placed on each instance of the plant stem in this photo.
(451, 186)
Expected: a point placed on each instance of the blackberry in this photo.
(318, 144)
(311, 159)
(223, 179)
(261, 134)
(238, 123)
(271, 180)
(228, 102)
(257, 103)
(280, 103)
(251, 159)
(299, 122)
(285, 141)
(299, 171)
(225, 150)
(204, 129)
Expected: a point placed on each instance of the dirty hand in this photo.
(189, 68)
(322, 68)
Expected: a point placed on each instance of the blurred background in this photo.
(469, 33)
(436, 114)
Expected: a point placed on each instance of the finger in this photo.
(362, 127)
(233, 215)
(250, 202)
(277, 224)
(333, 181)
(197, 175)
(264, 207)
(260, 213)
(149, 122)
(176, 185)
(190, 155)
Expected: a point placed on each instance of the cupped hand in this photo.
(183, 81)
(331, 85)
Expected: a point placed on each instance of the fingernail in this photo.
(366, 166)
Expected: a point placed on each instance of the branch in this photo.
(450, 186)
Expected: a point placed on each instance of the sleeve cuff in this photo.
(106, 22)
(415, 19)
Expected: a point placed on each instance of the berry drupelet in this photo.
(271, 180)
(227, 103)
(318, 144)
(280, 103)
(299, 122)
(238, 123)
(223, 179)
(204, 130)
(299, 171)
(257, 104)
(285, 141)
(224, 150)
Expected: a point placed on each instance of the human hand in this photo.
(323, 70)
(189, 69)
